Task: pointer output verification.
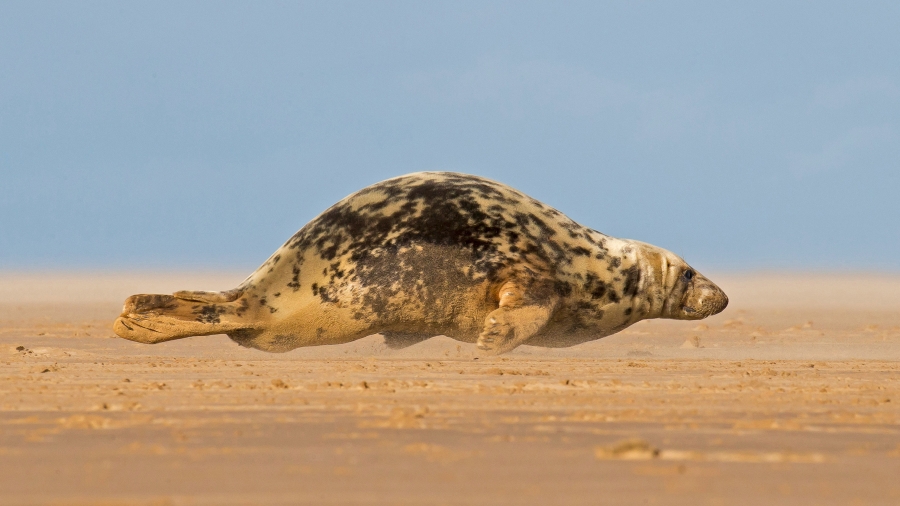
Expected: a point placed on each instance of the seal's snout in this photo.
(717, 301)
(702, 299)
(722, 304)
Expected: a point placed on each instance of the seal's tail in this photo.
(157, 318)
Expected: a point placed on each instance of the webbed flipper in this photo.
(525, 307)
(153, 318)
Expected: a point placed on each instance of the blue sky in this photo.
(752, 135)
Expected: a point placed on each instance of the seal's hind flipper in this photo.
(157, 318)
(211, 297)
(525, 307)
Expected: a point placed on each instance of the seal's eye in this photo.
(688, 274)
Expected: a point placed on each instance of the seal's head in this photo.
(693, 297)
(683, 293)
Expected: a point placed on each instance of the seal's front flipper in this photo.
(524, 310)
(157, 318)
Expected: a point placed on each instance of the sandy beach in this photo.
(790, 396)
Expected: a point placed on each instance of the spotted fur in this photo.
(437, 253)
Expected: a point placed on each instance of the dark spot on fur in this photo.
(295, 278)
(632, 281)
(244, 337)
(209, 314)
(563, 288)
(336, 272)
(325, 295)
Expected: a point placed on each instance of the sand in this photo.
(790, 396)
